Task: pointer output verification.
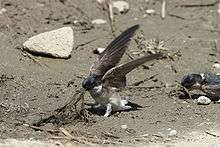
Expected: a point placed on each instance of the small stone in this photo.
(98, 50)
(184, 102)
(3, 10)
(56, 43)
(203, 100)
(145, 15)
(167, 132)
(124, 127)
(26, 125)
(150, 11)
(172, 133)
(216, 65)
(99, 21)
(145, 135)
(122, 6)
(76, 22)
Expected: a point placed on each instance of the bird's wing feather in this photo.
(113, 52)
(116, 77)
(212, 89)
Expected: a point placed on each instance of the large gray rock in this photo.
(57, 43)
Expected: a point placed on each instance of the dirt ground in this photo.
(32, 86)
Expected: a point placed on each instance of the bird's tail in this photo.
(128, 103)
(134, 105)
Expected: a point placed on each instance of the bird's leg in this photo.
(108, 110)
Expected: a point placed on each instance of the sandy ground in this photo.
(32, 86)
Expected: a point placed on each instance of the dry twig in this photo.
(78, 139)
(163, 9)
(199, 5)
(42, 129)
(212, 134)
(180, 90)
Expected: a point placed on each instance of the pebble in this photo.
(150, 11)
(3, 10)
(203, 100)
(216, 65)
(168, 132)
(100, 50)
(172, 133)
(99, 21)
(124, 126)
(56, 43)
(121, 6)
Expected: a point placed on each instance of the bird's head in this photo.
(192, 81)
(90, 82)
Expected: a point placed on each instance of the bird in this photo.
(208, 82)
(106, 78)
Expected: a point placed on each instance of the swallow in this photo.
(209, 83)
(106, 77)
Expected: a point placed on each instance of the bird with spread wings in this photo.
(106, 77)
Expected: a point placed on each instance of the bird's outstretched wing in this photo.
(116, 77)
(113, 52)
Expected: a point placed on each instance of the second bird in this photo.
(106, 77)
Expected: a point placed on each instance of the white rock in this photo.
(150, 11)
(57, 43)
(122, 6)
(203, 100)
(76, 21)
(99, 21)
(3, 10)
(124, 126)
(172, 133)
(100, 50)
(216, 65)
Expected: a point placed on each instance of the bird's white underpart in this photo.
(110, 100)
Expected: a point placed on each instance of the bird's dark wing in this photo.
(116, 77)
(211, 79)
(113, 52)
